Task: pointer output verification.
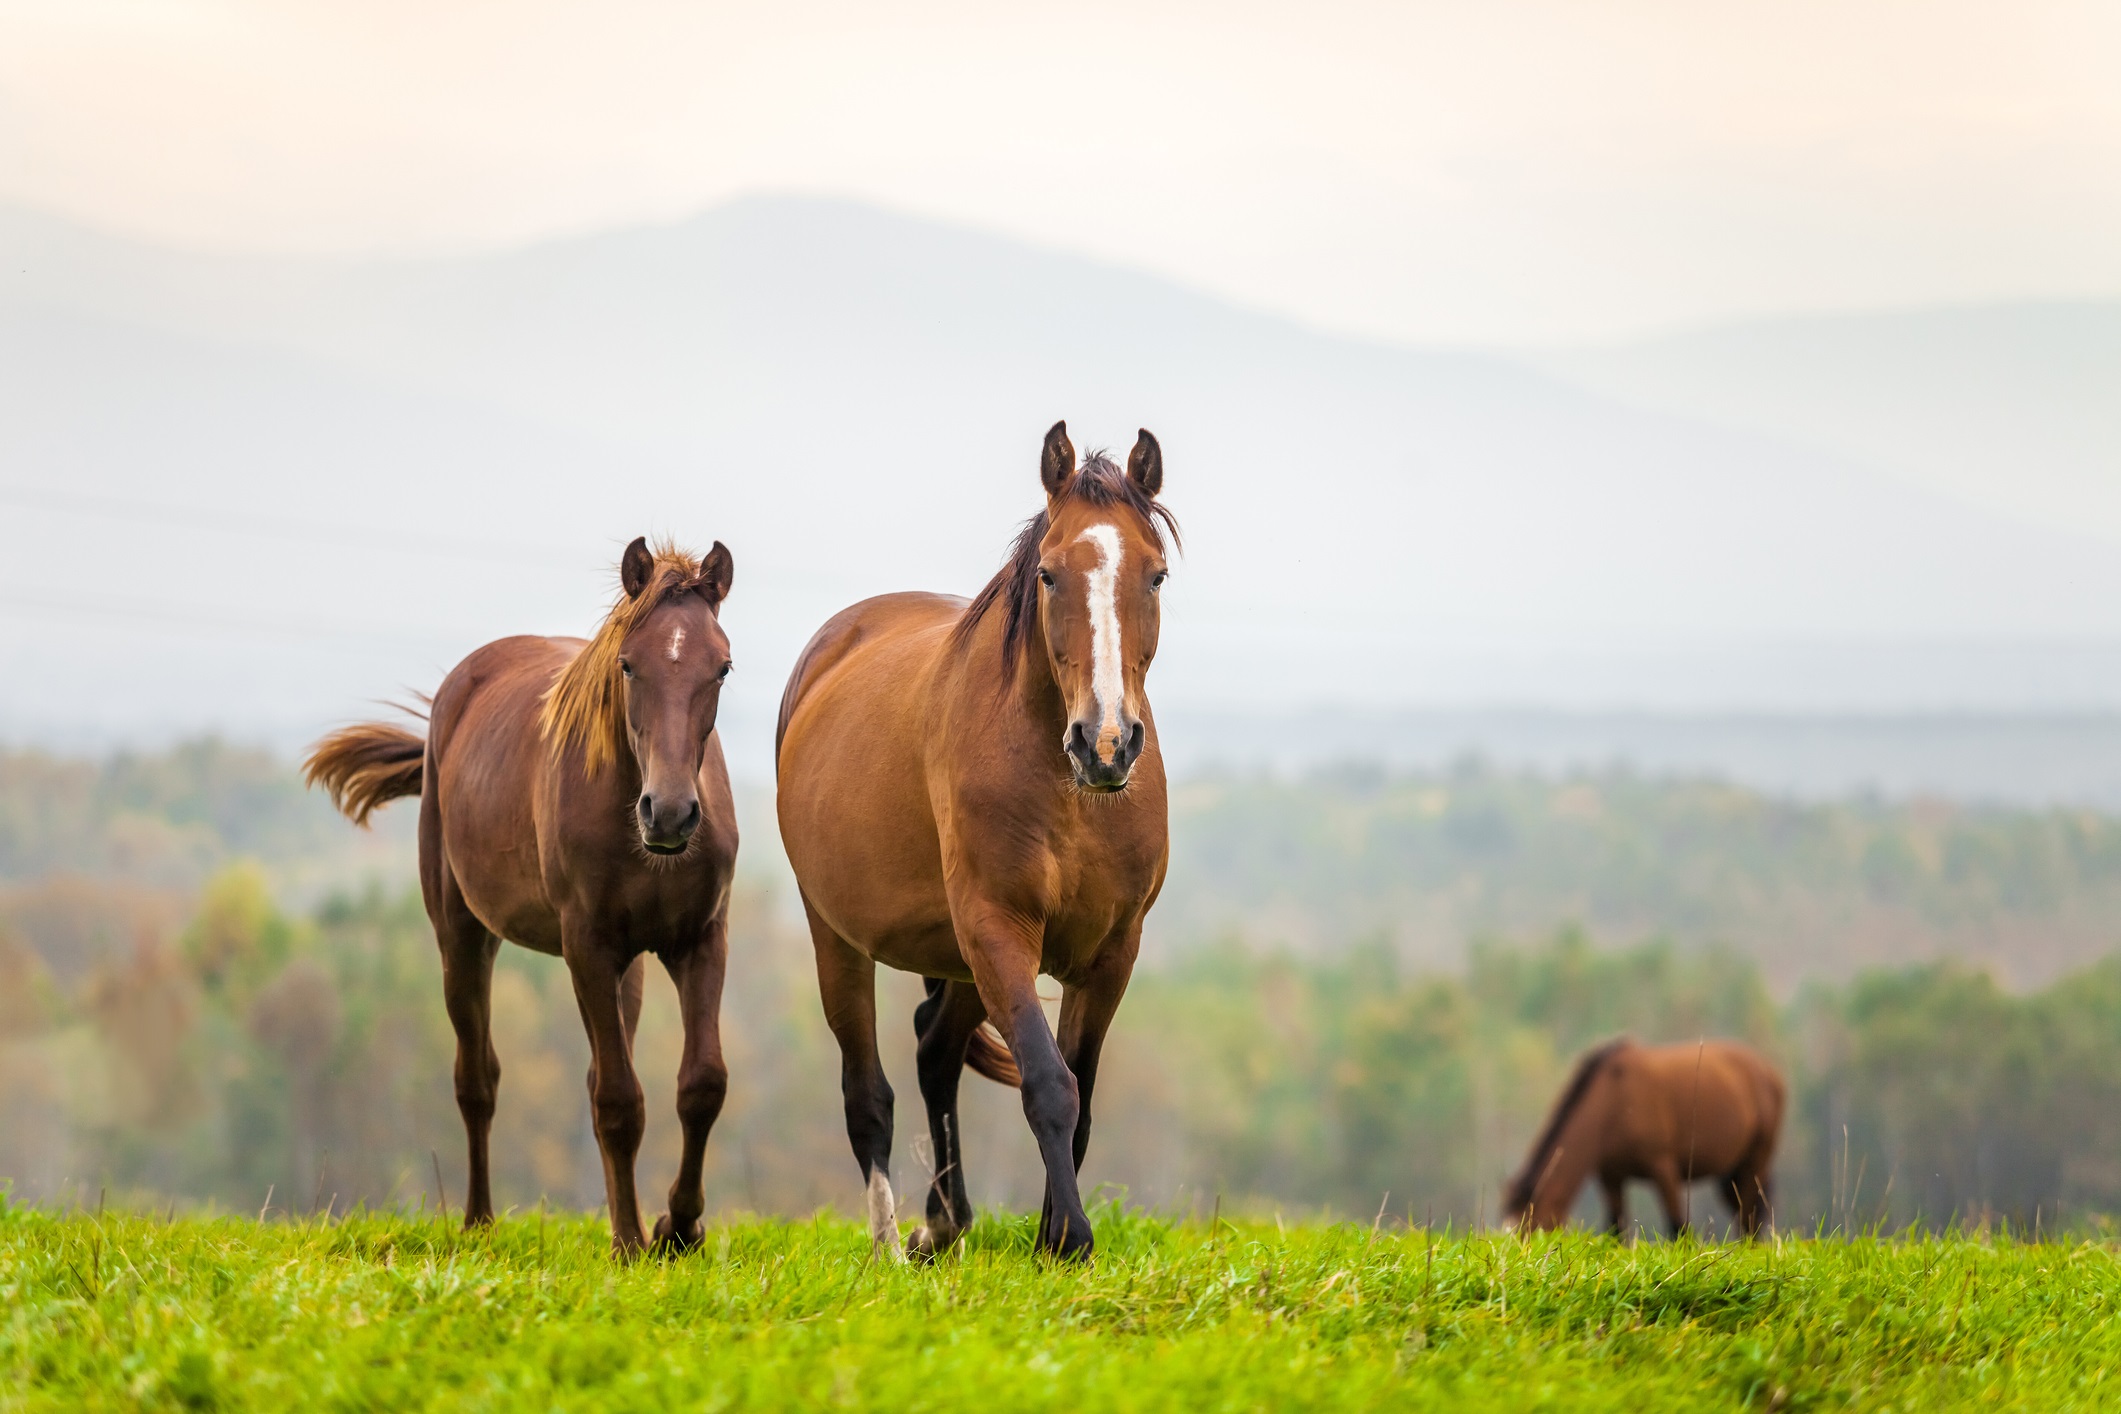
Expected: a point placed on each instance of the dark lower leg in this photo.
(945, 1023)
(1087, 1009)
(1672, 1193)
(847, 987)
(1052, 1106)
(1749, 1196)
(1616, 1205)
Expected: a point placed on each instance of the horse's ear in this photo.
(636, 567)
(717, 573)
(1145, 464)
(1056, 464)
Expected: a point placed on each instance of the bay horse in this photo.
(1663, 1113)
(973, 792)
(574, 800)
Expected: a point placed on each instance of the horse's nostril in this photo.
(645, 806)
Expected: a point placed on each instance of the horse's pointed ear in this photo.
(1145, 464)
(636, 567)
(717, 573)
(1056, 464)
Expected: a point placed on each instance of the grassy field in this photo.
(393, 1313)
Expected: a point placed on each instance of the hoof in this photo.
(1073, 1246)
(927, 1243)
(671, 1243)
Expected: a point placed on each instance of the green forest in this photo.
(213, 993)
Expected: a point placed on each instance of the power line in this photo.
(226, 522)
(195, 619)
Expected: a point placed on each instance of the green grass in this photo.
(392, 1313)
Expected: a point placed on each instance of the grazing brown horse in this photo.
(973, 792)
(573, 799)
(1664, 1113)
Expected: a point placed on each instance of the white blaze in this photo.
(1105, 679)
(677, 641)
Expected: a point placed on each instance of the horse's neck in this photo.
(1575, 1150)
(1026, 706)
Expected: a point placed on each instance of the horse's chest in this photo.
(1101, 876)
(1094, 884)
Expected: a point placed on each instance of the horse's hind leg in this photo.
(703, 1081)
(1747, 1191)
(846, 982)
(468, 951)
(945, 1023)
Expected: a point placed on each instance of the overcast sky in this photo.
(1512, 171)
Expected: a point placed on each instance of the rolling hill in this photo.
(334, 477)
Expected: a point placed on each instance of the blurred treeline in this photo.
(252, 1037)
(1806, 889)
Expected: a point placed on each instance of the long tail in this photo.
(988, 1055)
(365, 766)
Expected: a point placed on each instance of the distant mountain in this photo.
(851, 399)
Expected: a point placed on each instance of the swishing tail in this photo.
(365, 766)
(988, 1055)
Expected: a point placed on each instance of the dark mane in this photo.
(1100, 481)
(1523, 1186)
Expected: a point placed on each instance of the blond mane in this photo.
(585, 705)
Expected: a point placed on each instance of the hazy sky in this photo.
(1511, 170)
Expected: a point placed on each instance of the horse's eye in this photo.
(1045, 577)
(723, 675)
(1156, 581)
(625, 667)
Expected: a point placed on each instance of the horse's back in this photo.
(1719, 1099)
(889, 625)
(853, 800)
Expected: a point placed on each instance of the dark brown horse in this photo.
(973, 792)
(1663, 1113)
(573, 799)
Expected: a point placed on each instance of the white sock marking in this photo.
(883, 1214)
(1105, 679)
(677, 641)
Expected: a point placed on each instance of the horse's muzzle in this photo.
(667, 822)
(1107, 771)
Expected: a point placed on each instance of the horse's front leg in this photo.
(1616, 1203)
(1674, 1194)
(1087, 1009)
(619, 1109)
(1003, 950)
(703, 1080)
